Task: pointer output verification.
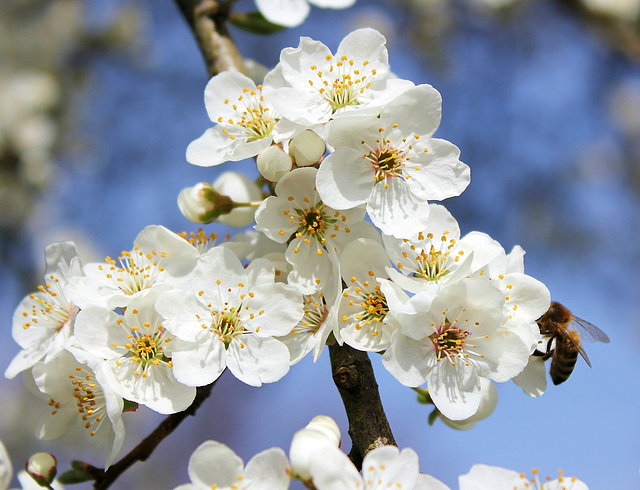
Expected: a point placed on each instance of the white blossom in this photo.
(366, 315)
(227, 316)
(392, 164)
(246, 123)
(292, 13)
(383, 467)
(298, 211)
(137, 352)
(484, 477)
(78, 393)
(43, 321)
(465, 332)
(310, 85)
(436, 255)
(158, 257)
(215, 465)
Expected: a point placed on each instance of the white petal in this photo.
(214, 464)
(288, 13)
(210, 149)
(484, 477)
(268, 470)
(455, 390)
(255, 361)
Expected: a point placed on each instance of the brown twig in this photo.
(208, 21)
(368, 424)
(103, 479)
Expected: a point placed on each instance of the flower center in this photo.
(315, 314)
(89, 399)
(49, 307)
(139, 270)
(449, 342)
(344, 82)
(201, 241)
(435, 263)
(147, 349)
(255, 119)
(227, 325)
(387, 162)
(314, 222)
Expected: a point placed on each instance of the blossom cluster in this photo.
(316, 460)
(349, 152)
(347, 248)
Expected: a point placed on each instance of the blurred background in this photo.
(99, 100)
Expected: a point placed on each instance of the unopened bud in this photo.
(245, 195)
(202, 203)
(321, 434)
(274, 163)
(42, 468)
(307, 148)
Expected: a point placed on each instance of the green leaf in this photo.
(254, 22)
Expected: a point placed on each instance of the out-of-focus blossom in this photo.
(292, 13)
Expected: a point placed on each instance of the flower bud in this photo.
(307, 148)
(202, 203)
(320, 435)
(274, 163)
(241, 190)
(42, 468)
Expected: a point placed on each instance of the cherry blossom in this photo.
(452, 340)
(484, 477)
(392, 164)
(43, 321)
(226, 316)
(137, 351)
(157, 258)
(246, 123)
(324, 86)
(78, 393)
(297, 211)
(292, 13)
(215, 465)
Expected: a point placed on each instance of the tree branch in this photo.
(208, 21)
(368, 424)
(104, 479)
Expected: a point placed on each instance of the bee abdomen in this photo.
(562, 365)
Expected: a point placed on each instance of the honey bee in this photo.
(560, 325)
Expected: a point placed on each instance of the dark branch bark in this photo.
(104, 479)
(368, 424)
(208, 21)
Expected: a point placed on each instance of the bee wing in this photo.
(589, 331)
(574, 340)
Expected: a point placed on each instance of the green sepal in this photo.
(254, 22)
(75, 475)
(433, 416)
(130, 406)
